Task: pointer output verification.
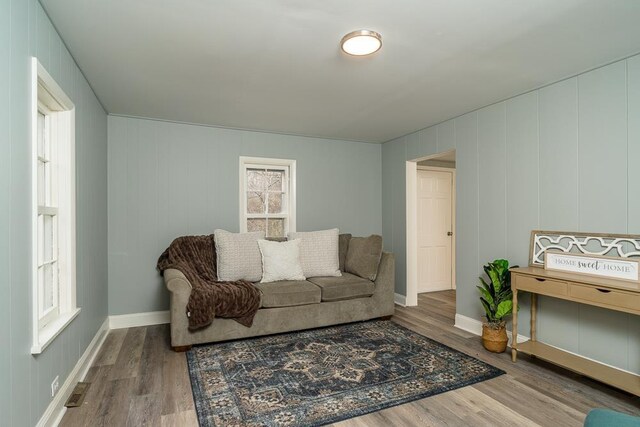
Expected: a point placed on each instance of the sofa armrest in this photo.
(385, 281)
(180, 290)
(176, 281)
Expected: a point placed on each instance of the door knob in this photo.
(449, 233)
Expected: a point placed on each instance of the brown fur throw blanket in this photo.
(195, 257)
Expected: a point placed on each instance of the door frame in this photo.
(412, 167)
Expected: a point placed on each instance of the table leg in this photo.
(514, 334)
(534, 311)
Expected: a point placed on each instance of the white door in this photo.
(435, 234)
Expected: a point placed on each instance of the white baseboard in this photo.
(468, 324)
(134, 320)
(56, 409)
(400, 300)
(475, 327)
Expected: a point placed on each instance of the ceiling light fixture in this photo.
(361, 42)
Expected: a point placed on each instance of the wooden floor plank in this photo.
(439, 411)
(144, 411)
(149, 379)
(83, 415)
(477, 409)
(176, 394)
(128, 362)
(109, 351)
(115, 400)
(583, 393)
(179, 419)
(138, 380)
(528, 402)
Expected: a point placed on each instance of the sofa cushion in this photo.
(288, 293)
(347, 286)
(363, 256)
(343, 245)
(318, 252)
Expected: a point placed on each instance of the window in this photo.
(47, 265)
(267, 195)
(53, 198)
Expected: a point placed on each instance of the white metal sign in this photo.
(613, 268)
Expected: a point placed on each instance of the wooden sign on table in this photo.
(593, 265)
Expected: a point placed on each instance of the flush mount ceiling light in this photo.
(361, 42)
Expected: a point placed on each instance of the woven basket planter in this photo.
(494, 338)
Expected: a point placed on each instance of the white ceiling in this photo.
(275, 65)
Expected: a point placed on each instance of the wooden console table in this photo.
(602, 292)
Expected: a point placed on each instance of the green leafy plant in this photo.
(496, 294)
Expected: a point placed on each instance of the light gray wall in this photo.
(565, 157)
(25, 380)
(170, 179)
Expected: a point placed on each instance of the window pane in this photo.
(40, 239)
(274, 180)
(276, 228)
(255, 202)
(47, 286)
(41, 184)
(259, 224)
(275, 202)
(41, 134)
(48, 184)
(47, 241)
(255, 180)
(40, 287)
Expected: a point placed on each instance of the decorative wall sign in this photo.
(612, 245)
(593, 265)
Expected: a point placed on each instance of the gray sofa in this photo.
(290, 305)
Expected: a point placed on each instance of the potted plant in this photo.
(496, 299)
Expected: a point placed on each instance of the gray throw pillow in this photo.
(363, 256)
(318, 252)
(343, 245)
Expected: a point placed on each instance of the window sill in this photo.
(47, 334)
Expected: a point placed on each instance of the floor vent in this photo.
(77, 396)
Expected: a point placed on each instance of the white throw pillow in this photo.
(280, 261)
(319, 252)
(238, 255)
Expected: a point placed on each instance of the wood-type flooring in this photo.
(137, 380)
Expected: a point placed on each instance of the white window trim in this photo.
(263, 161)
(65, 129)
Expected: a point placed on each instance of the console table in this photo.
(602, 292)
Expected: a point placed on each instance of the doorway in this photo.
(430, 225)
(435, 228)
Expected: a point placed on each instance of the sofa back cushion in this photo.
(343, 246)
(363, 256)
(280, 261)
(319, 252)
(238, 255)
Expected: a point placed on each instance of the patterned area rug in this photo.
(324, 375)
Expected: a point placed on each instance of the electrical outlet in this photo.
(54, 386)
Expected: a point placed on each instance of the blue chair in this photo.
(609, 418)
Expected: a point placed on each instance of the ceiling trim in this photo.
(180, 122)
